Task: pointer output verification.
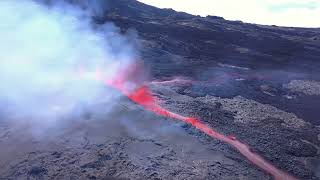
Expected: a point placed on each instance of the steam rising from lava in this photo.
(41, 48)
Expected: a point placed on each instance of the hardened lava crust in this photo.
(260, 84)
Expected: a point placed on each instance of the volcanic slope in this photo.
(259, 83)
(265, 77)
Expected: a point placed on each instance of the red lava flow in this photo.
(143, 96)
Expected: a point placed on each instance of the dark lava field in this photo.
(258, 83)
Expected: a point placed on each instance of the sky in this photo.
(292, 13)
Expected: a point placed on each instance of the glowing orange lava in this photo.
(143, 96)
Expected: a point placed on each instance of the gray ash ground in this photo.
(259, 83)
(139, 146)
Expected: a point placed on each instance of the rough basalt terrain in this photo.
(258, 83)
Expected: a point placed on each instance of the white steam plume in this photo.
(43, 50)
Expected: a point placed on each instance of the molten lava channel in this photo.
(143, 96)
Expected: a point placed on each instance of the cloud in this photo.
(270, 12)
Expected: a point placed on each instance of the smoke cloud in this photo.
(50, 55)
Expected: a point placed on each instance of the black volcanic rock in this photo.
(253, 81)
(213, 40)
(209, 40)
